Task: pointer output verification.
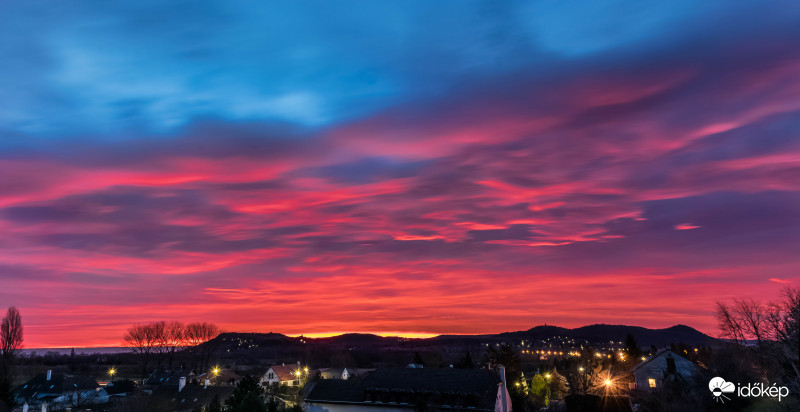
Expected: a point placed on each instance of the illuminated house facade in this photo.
(288, 375)
(652, 373)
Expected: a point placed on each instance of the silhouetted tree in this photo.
(465, 362)
(10, 344)
(272, 404)
(197, 335)
(251, 403)
(142, 339)
(172, 337)
(766, 335)
(632, 347)
(247, 397)
(215, 405)
(509, 358)
(418, 359)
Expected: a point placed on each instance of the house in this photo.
(221, 377)
(120, 388)
(283, 375)
(344, 374)
(665, 365)
(189, 397)
(161, 377)
(60, 389)
(409, 389)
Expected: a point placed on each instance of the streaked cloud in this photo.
(394, 166)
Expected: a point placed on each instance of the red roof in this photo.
(284, 373)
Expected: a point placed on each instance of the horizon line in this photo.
(387, 334)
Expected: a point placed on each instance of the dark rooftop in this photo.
(59, 383)
(171, 377)
(476, 388)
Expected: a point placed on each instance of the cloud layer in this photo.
(394, 167)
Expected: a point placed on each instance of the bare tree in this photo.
(144, 340)
(172, 339)
(10, 344)
(767, 332)
(197, 335)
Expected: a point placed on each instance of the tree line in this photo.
(765, 340)
(159, 342)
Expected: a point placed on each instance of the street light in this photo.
(608, 382)
(216, 371)
(112, 372)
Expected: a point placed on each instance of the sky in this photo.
(401, 167)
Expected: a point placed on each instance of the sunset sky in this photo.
(394, 166)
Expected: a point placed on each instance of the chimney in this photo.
(44, 407)
(503, 391)
(284, 364)
(25, 407)
(181, 383)
(208, 382)
(49, 374)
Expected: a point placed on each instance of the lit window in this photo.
(652, 382)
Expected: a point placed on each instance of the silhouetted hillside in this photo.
(617, 333)
(277, 346)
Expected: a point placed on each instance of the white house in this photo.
(345, 373)
(665, 364)
(284, 375)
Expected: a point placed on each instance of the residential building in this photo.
(163, 377)
(344, 373)
(190, 397)
(60, 389)
(665, 365)
(283, 375)
(120, 388)
(408, 389)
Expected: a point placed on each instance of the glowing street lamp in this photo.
(216, 371)
(112, 372)
(608, 383)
